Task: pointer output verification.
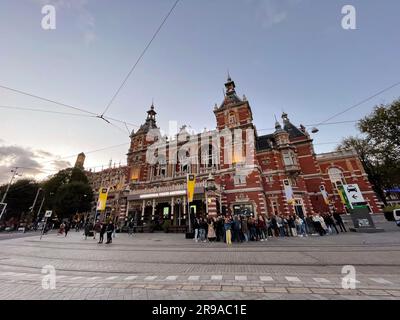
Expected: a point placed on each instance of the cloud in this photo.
(31, 163)
(272, 12)
(61, 164)
(16, 156)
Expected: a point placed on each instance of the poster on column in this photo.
(288, 192)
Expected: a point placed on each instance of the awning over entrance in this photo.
(155, 195)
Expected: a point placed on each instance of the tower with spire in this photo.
(233, 112)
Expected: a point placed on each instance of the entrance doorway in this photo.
(298, 208)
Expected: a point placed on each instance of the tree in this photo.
(73, 197)
(382, 129)
(20, 198)
(379, 148)
(61, 178)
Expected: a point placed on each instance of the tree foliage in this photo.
(379, 147)
(20, 198)
(73, 197)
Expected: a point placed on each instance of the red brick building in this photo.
(237, 170)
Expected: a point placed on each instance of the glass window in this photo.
(336, 176)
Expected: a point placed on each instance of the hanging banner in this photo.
(191, 183)
(325, 194)
(101, 203)
(343, 197)
(288, 192)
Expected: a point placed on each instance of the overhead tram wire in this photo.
(48, 100)
(45, 111)
(95, 115)
(313, 125)
(360, 103)
(140, 57)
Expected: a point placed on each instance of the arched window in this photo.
(336, 176)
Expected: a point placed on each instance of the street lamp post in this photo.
(15, 173)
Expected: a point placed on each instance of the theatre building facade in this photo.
(237, 170)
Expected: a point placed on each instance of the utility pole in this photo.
(34, 201)
(15, 173)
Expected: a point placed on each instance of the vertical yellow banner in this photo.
(191, 183)
(101, 203)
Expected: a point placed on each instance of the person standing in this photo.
(203, 230)
(292, 226)
(228, 228)
(245, 229)
(339, 221)
(330, 222)
(110, 230)
(211, 230)
(196, 227)
(261, 228)
(236, 229)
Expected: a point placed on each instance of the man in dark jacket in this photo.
(339, 221)
(110, 229)
(102, 232)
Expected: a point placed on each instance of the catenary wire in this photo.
(140, 57)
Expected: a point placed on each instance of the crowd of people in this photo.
(90, 229)
(241, 228)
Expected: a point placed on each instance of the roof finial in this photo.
(278, 126)
(229, 76)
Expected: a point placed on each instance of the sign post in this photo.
(191, 183)
(358, 208)
(47, 215)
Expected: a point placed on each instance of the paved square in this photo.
(167, 266)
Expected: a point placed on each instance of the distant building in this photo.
(80, 161)
(115, 180)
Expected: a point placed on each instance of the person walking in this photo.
(97, 228)
(110, 230)
(67, 227)
(61, 230)
(88, 228)
(131, 226)
(339, 221)
(102, 232)
(228, 228)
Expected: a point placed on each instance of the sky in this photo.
(284, 55)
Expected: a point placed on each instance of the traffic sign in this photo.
(353, 194)
(48, 214)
